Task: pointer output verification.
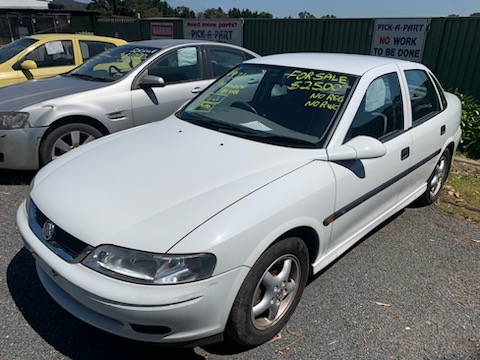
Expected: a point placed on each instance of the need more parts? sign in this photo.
(400, 38)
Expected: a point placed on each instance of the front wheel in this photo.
(65, 138)
(437, 179)
(270, 293)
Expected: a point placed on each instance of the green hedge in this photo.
(470, 145)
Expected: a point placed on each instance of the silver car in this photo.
(127, 86)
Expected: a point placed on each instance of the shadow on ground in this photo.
(16, 177)
(68, 335)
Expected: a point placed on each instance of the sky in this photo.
(340, 8)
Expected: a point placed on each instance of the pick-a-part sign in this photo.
(226, 31)
(400, 38)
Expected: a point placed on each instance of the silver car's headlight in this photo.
(149, 268)
(14, 120)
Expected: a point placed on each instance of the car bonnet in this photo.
(19, 96)
(151, 187)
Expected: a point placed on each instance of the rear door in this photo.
(428, 125)
(221, 59)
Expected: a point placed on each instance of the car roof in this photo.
(336, 62)
(166, 43)
(62, 36)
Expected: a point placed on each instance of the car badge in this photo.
(48, 230)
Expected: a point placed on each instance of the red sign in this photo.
(161, 31)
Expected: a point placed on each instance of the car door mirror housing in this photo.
(28, 65)
(360, 147)
(151, 81)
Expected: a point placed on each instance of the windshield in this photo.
(113, 64)
(285, 106)
(12, 49)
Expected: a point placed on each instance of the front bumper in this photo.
(19, 148)
(169, 314)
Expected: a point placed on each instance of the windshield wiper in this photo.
(249, 133)
(89, 77)
(217, 124)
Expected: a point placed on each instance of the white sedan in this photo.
(209, 223)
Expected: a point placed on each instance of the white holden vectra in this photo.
(207, 224)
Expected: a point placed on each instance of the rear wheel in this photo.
(66, 138)
(270, 293)
(437, 179)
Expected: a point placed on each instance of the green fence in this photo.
(452, 46)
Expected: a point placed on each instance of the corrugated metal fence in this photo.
(452, 46)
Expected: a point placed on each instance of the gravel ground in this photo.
(409, 290)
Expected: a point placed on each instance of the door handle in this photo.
(405, 153)
(442, 130)
(197, 90)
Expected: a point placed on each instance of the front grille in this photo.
(62, 243)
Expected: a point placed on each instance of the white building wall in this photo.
(24, 4)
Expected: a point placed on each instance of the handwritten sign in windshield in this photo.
(327, 89)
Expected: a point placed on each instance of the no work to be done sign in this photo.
(400, 38)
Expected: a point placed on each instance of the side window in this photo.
(91, 48)
(178, 66)
(53, 53)
(224, 59)
(423, 96)
(381, 112)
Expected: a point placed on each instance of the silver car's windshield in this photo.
(285, 106)
(113, 64)
(12, 49)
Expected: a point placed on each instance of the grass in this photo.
(461, 193)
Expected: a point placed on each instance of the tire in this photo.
(65, 138)
(270, 293)
(436, 180)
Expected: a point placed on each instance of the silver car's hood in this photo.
(149, 187)
(19, 96)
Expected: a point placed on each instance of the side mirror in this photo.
(28, 65)
(151, 81)
(360, 147)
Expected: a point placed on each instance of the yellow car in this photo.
(38, 56)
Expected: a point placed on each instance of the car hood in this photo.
(18, 96)
(149, 187)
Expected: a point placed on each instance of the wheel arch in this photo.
(451, 148)
(308, 235)
(73, 119)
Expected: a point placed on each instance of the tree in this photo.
(265, 15)
(184, 12)
(235, 13)
(213, 13)
(305, 15)
(328, 17)
(101, 6)
(475, 14)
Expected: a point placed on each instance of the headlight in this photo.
(149, 268)
(13, 120)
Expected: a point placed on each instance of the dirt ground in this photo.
(453, 200)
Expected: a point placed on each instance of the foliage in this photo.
(212, 13)
(470, 145)
(236, 13)
(305, 15)
(146, 8)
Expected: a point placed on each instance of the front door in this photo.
(368, 189)
(181, 69)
